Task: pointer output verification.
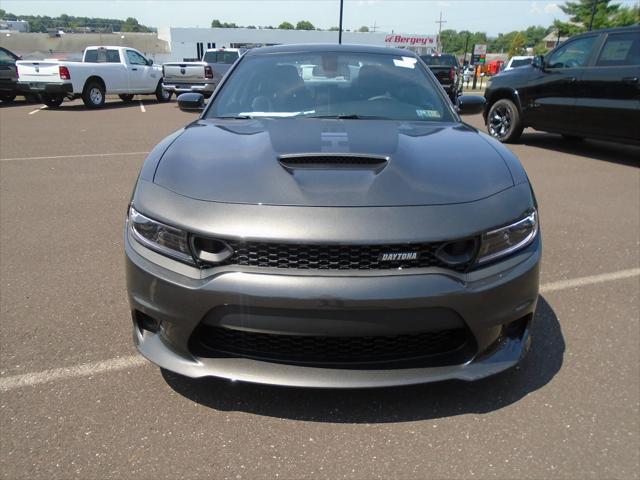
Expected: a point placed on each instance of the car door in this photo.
(552, 92)
(142, 77)
(609, 90)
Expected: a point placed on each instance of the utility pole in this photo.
(593, 13)
(440, 22)
(374, 26)
(340, 27)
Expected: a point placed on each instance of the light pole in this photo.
(340, 27)
(593, 13)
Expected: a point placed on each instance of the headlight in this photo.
(162, 238)
(506, 240)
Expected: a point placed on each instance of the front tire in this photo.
(503, 121)
(93, 95)
(8, 98)
(162, 95)
(127, 97)
(52, 101)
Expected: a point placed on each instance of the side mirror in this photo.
(191, 102)
(470, 104)
(149, 62)
(538, 62)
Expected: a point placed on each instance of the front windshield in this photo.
(331, 85)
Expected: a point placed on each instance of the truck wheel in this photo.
(127, 97)
(503, 121)
(93, 95)
(7, 98)
(52, 101)
(162, 95)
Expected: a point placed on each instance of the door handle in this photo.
(134, 69)
(630, 80)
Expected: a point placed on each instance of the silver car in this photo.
(331, 231)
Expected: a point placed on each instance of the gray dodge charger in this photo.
(329, 221)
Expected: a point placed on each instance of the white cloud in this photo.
(552, 8)
(535, 8)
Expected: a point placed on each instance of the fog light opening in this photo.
(146, 322)
(211, 250)
(458, 252)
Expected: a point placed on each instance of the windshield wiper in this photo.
(349, 116)
(235, 117)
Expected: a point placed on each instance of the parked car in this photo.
(104, 70)
(330, 233)
(586, 87)
(517, 61)
(8, 75)
(201, 77)
(446, 68)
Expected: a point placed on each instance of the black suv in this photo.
(586, 87)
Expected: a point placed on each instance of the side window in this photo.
(620, 49)
(6, 59)
(135, 58)
(112, 56)
(573, 54)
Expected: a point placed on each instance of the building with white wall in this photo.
(189, 43)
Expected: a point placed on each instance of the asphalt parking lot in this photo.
(78, 402)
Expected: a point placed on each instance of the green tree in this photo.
(130, 25)
(216, 23)
(626, 16)
(517, 45)
(363, 29)
(580, 12)
(286, 26)
(305, 25)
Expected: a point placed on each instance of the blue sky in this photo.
(406, 16)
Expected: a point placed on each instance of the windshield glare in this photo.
(351, 85)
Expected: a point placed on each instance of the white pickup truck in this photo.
(104, 70)
(200, 77)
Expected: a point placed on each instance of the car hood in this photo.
(238, 161)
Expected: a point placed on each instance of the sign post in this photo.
(478, 58)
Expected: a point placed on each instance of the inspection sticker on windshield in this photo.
(405, 62)
(428, 114)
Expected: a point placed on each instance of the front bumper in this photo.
(46, 88)
(489, 302)
(178, 88)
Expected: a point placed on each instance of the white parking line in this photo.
(142, 107)
(38, 109)
(88, 155)
(132, 361)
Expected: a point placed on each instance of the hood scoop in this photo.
(342, 161)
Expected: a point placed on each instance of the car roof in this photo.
(521, 57)
(329, 47)
(222, 50)
(630, 28)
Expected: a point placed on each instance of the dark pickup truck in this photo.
(8, 75)
(446, 68)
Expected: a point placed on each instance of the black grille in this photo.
(334, 257)
(328, 350)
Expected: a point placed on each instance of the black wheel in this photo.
(93, 95)
(52, 101)
(127, 97)
(8, 98)
(162, 95)
(572, 138)
(503, 121)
